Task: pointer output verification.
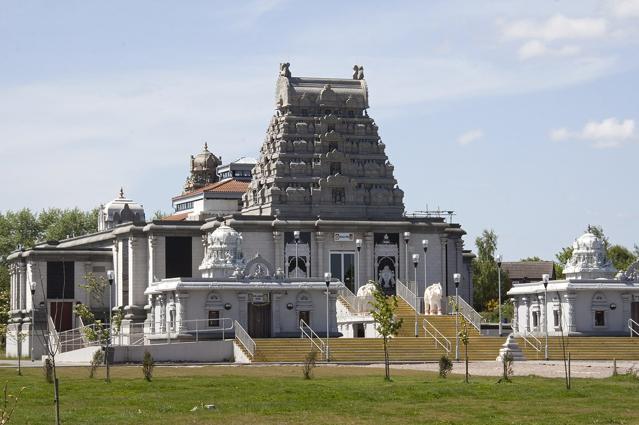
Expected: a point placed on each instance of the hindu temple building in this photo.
(593, 298)
(250, 241)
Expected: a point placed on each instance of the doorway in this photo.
(62, 315)
(259, 320)
(343, 268)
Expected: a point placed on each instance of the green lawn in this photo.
(338, 395)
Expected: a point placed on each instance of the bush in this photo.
(309, 364)
(147, 366)
(445, 366)
(47, 370)
(96, 361)
(507, 363)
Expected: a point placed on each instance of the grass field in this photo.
(337, 395)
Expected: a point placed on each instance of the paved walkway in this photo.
(549, 369)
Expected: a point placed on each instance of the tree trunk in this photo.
(466, 358)
(386, 361)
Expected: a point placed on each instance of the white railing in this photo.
(633, 326)
(54, 339)
(132, 334)
(244, 338)
(437, 336)
(198, 328)
(76, 338)
(405, 293)
(308, 332)
(467, 311)
(357, 305)
(532, 340)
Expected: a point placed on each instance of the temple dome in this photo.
(205, 160)
(203, 170)
(223, 252)
(118, 211)
(589, 259)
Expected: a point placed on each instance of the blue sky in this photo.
(520, 116)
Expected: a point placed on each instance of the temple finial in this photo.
(121, 193)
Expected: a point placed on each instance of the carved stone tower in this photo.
(322, 155)
(203, 170)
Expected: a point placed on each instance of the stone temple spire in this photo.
(322, 154)
(203, 170)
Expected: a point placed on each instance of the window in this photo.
(214, 318)
(535, 319)
(184, 206)
(178, 259)
(555, 318)
(305, 316)
(600, 318)
(60, 279)
(338, 196)
(343, 268)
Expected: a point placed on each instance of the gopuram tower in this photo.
(323, 155)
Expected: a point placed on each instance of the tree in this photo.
(621, 257)
(386, 322)
(535, 258)
(485, 277)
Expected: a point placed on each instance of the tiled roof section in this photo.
(230, 185)
(176, 217)
(527, 271)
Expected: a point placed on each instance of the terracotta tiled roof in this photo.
(230, 185)
(176, 217)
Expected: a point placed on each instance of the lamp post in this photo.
(296, 235)
(110, 278)
(415, 262)
(406, 239)
(498, 260)
(425, 246)
(32, 286)
(358, 245)
(327, 280)
(456, 279)
(545, 277)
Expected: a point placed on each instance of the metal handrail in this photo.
(54, 338)
(631, 327)
(535, 343)
(244, 338)
(405, 293)
(308, 332)
(468, 312)
(446, 345)
(225, 324)
(356, 304)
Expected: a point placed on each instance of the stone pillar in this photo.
(180, 311)
(515, 323)
(153, 243)
(243, 310)
(162, 301)
(626, 299)
(541, 301)
(138, 277)
(459, 268)
(443, 241)
(332, 312)
(571, 319)
(276, 312)
(278, 238)
(526, 302)
(368, 258)
(321, 261)
(152, 300)
(21, 287)
(12, 286)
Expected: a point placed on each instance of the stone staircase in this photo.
(585, 348)
(444, 323)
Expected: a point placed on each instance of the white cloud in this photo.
(625, 8)
(470, 137)
(557, 27)
(535, 48)
(609, 133)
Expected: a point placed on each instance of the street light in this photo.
(425, 246)
(406, 239)
(327, 280)
(110, 278)
(296, 235)
(498, 260)
(358, 245)
(545, 277)
(33, 289)
(456, 279)
(415, 262)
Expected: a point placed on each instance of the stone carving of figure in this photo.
(259, 271)
(358, 72)
(366, 290)
(387, 277)
(433, 299)
(284, 71)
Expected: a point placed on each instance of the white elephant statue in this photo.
(366, 290)
(433, 299)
